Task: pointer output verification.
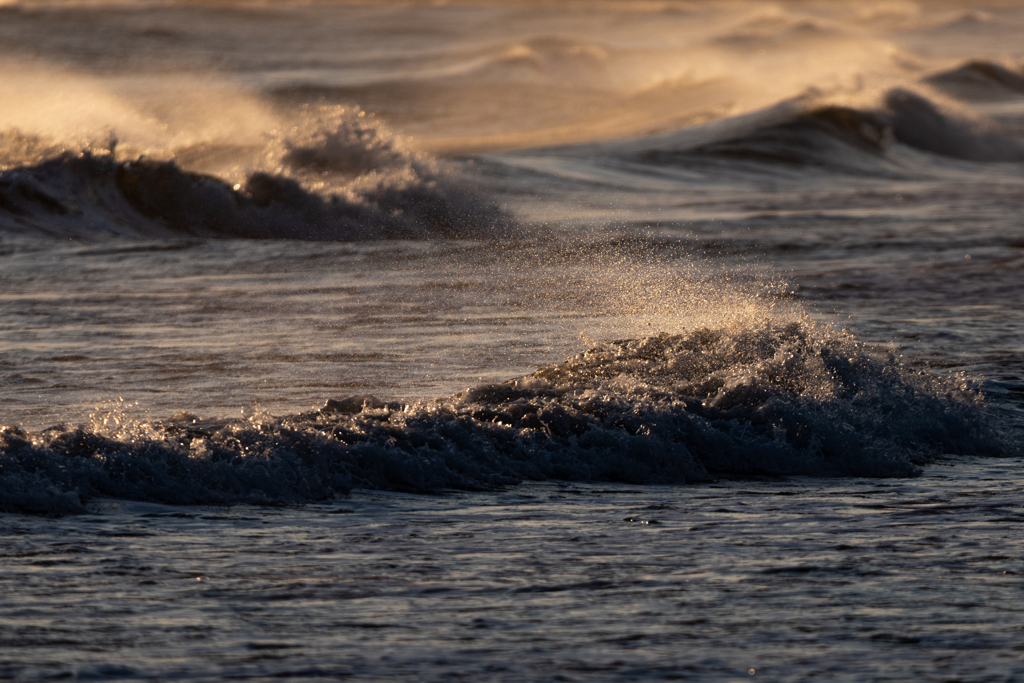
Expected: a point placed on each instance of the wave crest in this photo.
(344, 140)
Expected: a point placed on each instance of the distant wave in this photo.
(475, 72)
(983, 78)
(337, 178)
(546, 56)
(851, 140)
(835, 136)
(919, 122)
(772, 29)
(774, 399)
(969, 21)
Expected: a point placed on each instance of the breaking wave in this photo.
(769, 400)
(336, 175)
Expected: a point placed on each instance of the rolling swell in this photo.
(846, 139)
(980, 79)
(826, 136)
(919, 122)
(774, 399)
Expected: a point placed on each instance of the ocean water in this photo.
(512, 341)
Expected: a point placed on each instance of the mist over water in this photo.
(705, 316)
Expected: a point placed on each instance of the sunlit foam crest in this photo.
(342, 139)
(121, 420)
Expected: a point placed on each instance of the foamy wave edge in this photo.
(777, 399)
